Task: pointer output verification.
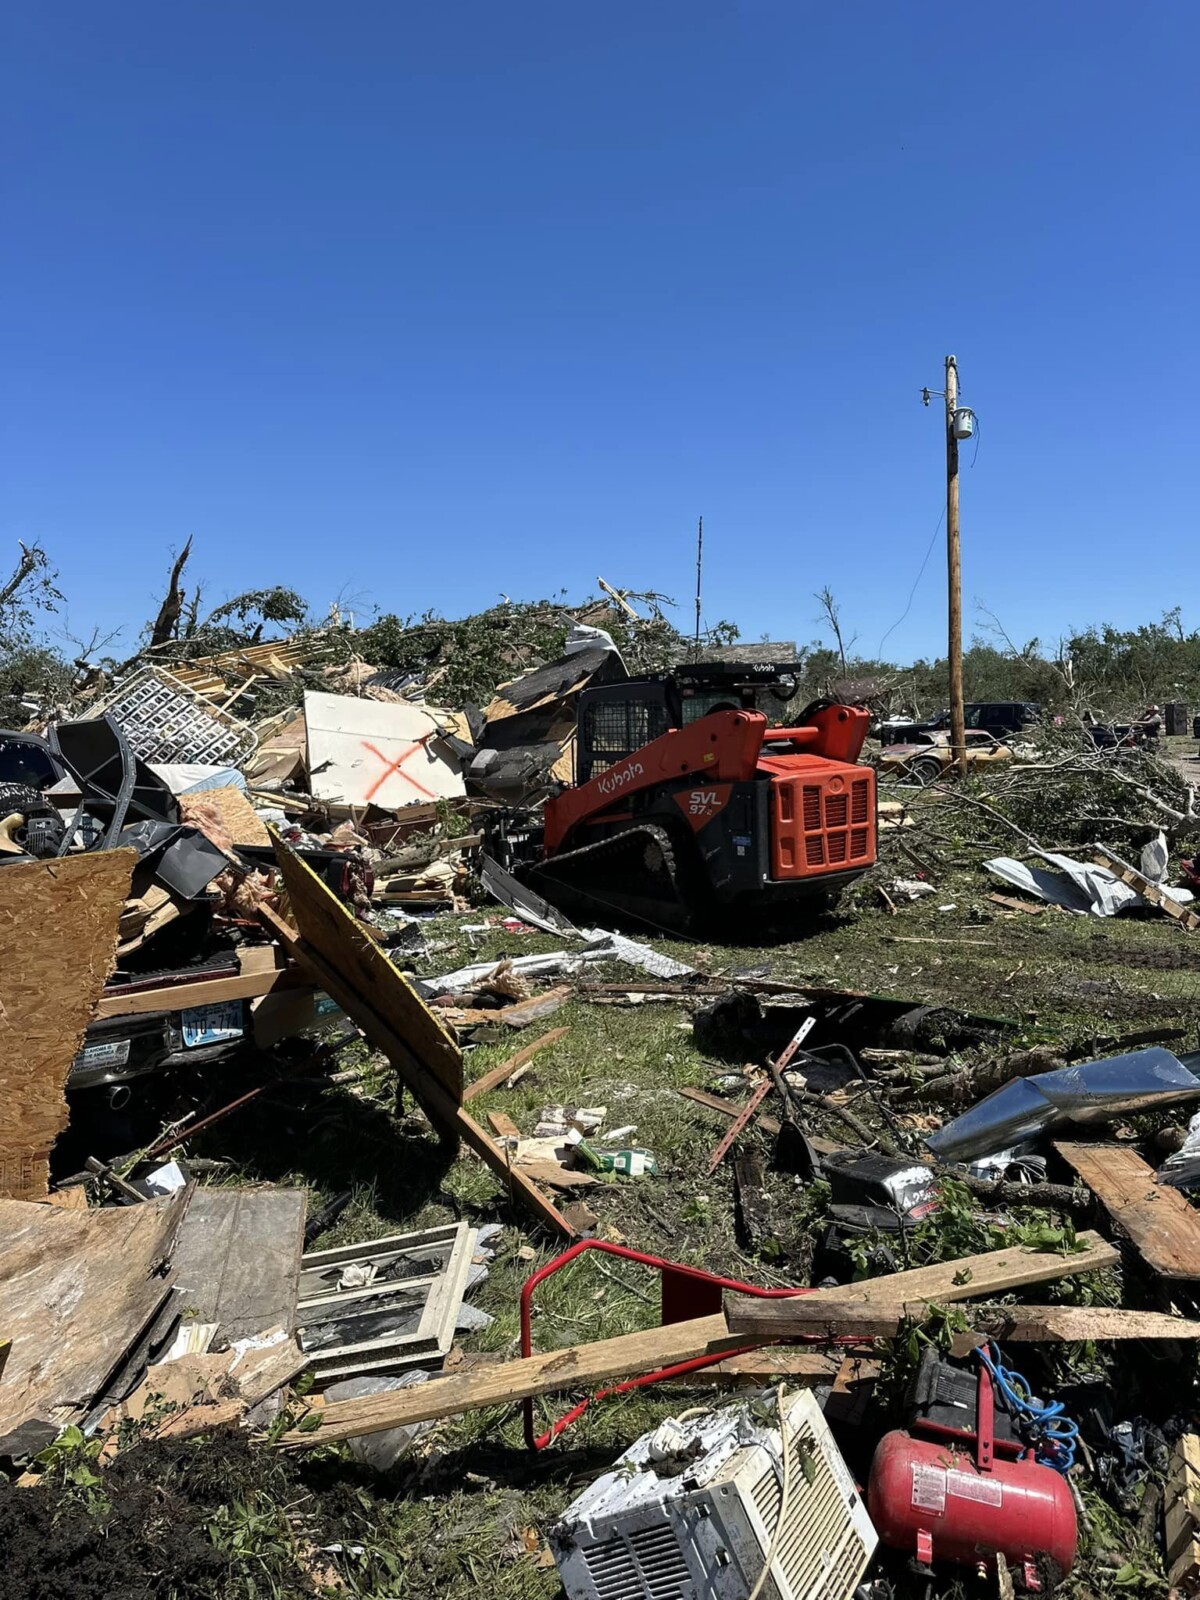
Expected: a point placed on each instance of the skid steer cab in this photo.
(693, 794)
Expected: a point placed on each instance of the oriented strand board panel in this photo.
(237, 1259)
(325, 924)
(363, 753)
(1163, 1225)
(239, 824)
(58, 941)
(76, 1290)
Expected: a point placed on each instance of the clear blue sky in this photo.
(422, 304)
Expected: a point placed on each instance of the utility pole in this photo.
(958, 739)
(699, 574)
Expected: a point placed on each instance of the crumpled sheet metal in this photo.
(1092, 1091)
(1076, 886)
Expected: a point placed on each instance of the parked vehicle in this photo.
(927, 758)
(1000, 718)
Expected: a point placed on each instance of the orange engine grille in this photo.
(836, 823)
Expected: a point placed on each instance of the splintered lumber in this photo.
(501, 1074)
(576, 1367)
(1153, 892)
(58, 943)
(1160, 1221)
(353, 971)
(970, 1278)
(77, 1288)
(1182, 1515)
(582, 1365)
(840, 1319)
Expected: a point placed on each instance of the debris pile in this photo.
(332, 1131)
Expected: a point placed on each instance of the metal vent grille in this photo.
(812, 808)
(860, 801)
(647, 1566)
(837, 808)
(820, 1554)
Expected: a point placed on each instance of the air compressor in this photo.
(964, 1483)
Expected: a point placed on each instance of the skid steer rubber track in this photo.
(635, 874)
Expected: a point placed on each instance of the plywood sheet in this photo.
(1163, 1225)
(237, 1259)
(324, 924)
(353, 971)
(361, 752)
(76, 1290)
(58, 940)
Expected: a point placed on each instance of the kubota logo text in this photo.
(619, 777)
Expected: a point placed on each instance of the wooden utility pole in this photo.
(958, 738)
(699, 577)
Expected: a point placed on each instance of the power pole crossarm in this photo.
(958, 738)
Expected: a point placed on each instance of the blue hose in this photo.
(1052, 1434)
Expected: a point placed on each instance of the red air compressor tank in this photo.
(933, 1499)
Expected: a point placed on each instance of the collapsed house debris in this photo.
(277, 1155)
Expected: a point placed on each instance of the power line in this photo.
(912, 592)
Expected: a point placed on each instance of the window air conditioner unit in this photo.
(689, 1513)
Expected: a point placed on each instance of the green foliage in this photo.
(959, 1228)
(472, 655)
(72, 1462)
(30, 675)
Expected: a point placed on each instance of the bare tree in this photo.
(833, 616)
(166, 624)
(29, 588)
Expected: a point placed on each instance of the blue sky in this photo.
(420, 305)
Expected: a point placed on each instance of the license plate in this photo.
(113, 1053)
(202, 1025)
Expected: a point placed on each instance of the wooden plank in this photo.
(502, 1124)
(713, 1102)
(969, 1278)
(536, 1009)
(58, 942)
(501, 1074)
(245, 985)
(758, 1367)
(325, 925)
(1160, 1221)
(76, 1290)
(582, 1365)
(836, 1319)
(1152, 892)
(442, 1105)
(237, 1259)
(578, 1367)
